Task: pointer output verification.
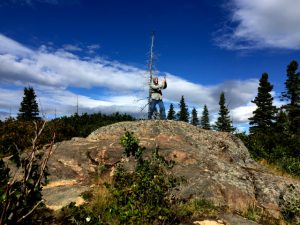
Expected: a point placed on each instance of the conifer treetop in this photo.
(29, 109)
(224, 122)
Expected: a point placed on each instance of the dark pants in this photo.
(153, 104)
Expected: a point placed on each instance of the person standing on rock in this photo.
(156, 97)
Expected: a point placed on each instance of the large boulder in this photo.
(216, 165)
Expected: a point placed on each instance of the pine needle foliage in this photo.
(265, 113)
(224, 122)
(204, 122)
(194, 119)
(183, 114)
(292, 95)
(29, 109)
(171, 113)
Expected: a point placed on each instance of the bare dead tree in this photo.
(150, 69)
(18, 190)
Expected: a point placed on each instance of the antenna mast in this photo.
(150, 69)
(77, 106)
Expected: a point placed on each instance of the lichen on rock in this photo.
(216, 165)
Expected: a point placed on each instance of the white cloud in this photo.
(243, 113)
(92, 48)
(53, 74)
(259, 24)
(237, 92)
(72, 48)
(64, 102)
(10, 98)
(4, 115)
(63, 69)
(13, 47)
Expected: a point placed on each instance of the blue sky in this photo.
(98, 51)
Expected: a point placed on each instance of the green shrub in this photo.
(289, 202)
(252, 213)
(78, 215)
(141, 195)
(131, 145)
(283, 152)
(21, 195)
(137, 197)
(15, 135)
(290, 165)
(18, 133)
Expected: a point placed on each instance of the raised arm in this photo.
(165, 83)
(157, 86)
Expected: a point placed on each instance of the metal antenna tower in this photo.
(77, 106)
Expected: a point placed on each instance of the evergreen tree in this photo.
(292, 94)
(29, 109)
(183, 114)
(264, 115)
(194, 120)
(204, 123)
(223, 123)
(281, 123)
(171, 113)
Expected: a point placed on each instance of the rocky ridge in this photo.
(216, 165)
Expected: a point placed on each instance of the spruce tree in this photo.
(183, 114)
(223, 123)
(171, 113)
(264, 115)
(292, 95)
(204, 123)
(281, 124)
(194, 119)
(29, 109)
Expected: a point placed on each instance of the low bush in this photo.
(20, 190)
(289, 202)
(133, 197)
(282, 152)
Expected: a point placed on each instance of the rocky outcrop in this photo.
(216, 165)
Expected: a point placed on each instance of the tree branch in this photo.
(31, 211)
